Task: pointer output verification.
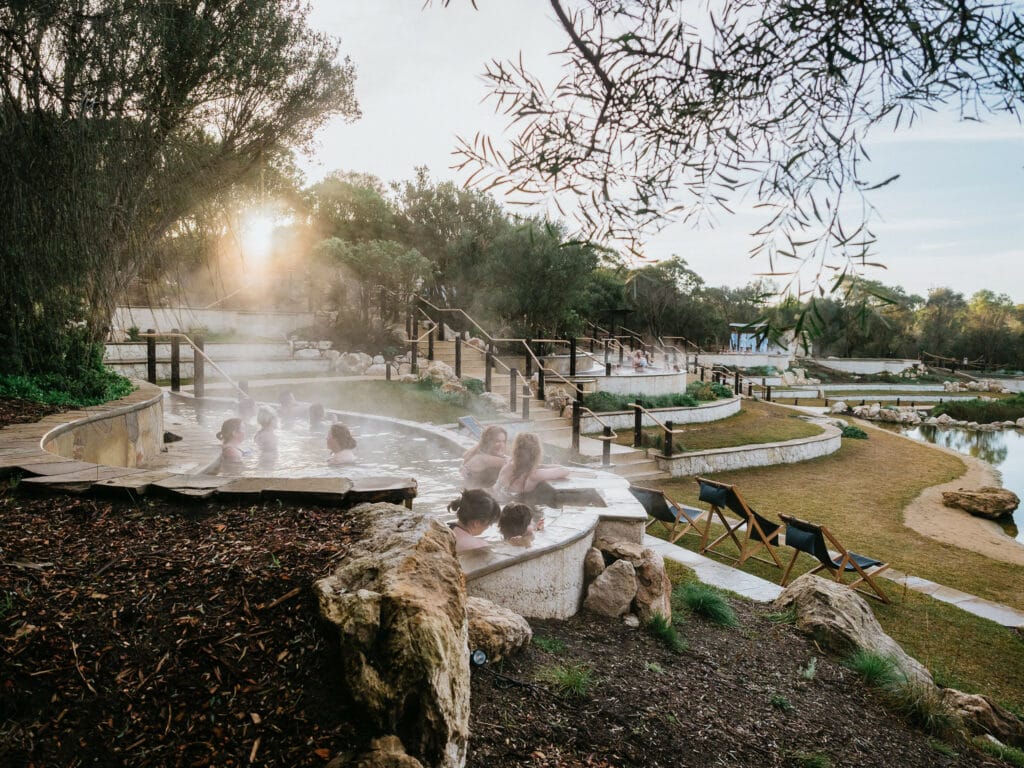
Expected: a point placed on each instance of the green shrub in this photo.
(855, 432)
(473, 385)
(874, 668)
(701, 390)
(91, 386)
(663, 629)
(548, 644)
(604, 402)
(922, 706)
(1010, 755)
(781, 703)
(133, 333)
(568, 679)
(706, 601)
(808, 760)
(983, 411)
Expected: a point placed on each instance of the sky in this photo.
(955, 218)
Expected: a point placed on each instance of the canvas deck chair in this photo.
(677, 518)
(807, 537)
(751, 532)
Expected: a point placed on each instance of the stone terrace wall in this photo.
(125, 433)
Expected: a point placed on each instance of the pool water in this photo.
(1003, 449)
(381, 449)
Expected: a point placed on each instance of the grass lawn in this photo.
(860, 493)
(757, 422)
(386, 398)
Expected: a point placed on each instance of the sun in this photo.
(257, 228)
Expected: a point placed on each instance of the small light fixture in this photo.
(478, 657)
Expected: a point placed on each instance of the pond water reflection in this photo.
(1003, 449)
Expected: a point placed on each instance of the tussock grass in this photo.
(573, 680)
(922, 706)
(808, 760)
(705, 601)
(663, 629)
(549, 644)
(876, 670)
(1010, 755)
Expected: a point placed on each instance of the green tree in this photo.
(117, 119)
(940, 324)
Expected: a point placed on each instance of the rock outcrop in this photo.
(496, 630)
(612, 593)
(650, 585)
(840, 620)
(984, 717)
(398, 602)
(988, 501)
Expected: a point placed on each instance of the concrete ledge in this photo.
(745, 456)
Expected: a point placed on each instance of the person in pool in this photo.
(516, 524)
(266, 438)
(475, 510)
(482, 463)
(231, 436)
(319, 421)
(341, 444)
(524, 470)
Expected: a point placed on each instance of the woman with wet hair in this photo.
(475, 510)
(231, 436)
(341, 444)
(482, 463)
(524, 470)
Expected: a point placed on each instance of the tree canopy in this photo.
(673, 109)
(118, 118)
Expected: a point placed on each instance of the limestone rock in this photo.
(379, 360)
(377, 369)
(611, 593)
(984, 717)
(593, 565)
(1020, 423)
(988, 502)
(498, 631)
(653, 588)
(437, 373)
(839, 619)
(631, 620)
(496, 401)
(621, 550)
(839, 407)
(944, 420)
(385, 752)
(398, 602)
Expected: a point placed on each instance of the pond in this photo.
(1003, 449)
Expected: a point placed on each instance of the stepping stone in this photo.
(13, 461)
(191, 486)
(62, 467)
(332, 490)
(396, 490)
(133, 484)
(81, 481)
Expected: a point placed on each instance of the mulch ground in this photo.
(151, 633)
(13, 411)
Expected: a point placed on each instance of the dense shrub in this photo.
(91, 386)
(983, 411)
(855, 432)
(602, 402)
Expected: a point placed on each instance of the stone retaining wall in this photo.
(126, 433)
(745, 456)
(700, 414)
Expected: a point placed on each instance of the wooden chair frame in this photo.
(846, 562)
(757, 534)
(684, 519)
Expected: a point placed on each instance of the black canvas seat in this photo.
(749, 531)
(677, 518)
(814, 539)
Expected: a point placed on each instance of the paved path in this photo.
(761, 590)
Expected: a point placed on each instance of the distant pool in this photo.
(1003, 449)
(384, 448)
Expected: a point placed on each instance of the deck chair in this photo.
(750, 533)
(679, 519)
(807, 537)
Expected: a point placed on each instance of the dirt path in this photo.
(930, 517)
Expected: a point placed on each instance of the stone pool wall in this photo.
(699, 414)
(125, 433)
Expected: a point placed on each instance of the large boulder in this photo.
(839, 619)
(611, 593)
(653, 588)
(399, 605)
(620, 550)
(495, 401)
(496, 630)
(437, 372)
(982, 716)
(839, 407)
(385, 752)
(988, 501)
(593, 565)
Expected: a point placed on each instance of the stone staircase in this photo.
(553, 430)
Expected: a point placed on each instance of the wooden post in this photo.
(528, 362)
(151, 355)
(414, 344)
(607, 368)
(488, 365)
(606, 448)
(513, 374)
(430, 343)
(387, 370)
(576, 406)
(175, 361)
(198, 368)
(458, 356)
(668, 439)
(768, 393)
(737, 388)
(540, 382)
(440, 327)
(526, 401)
(572, 356)
(638, 425)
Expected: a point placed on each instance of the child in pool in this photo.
(516, 524)
(341, 444)
(476, 511)
(482, 463)
(266, 438)
(231, 436)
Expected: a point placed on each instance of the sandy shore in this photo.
(930, 517)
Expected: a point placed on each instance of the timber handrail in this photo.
(201, 352)
(656, 420)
